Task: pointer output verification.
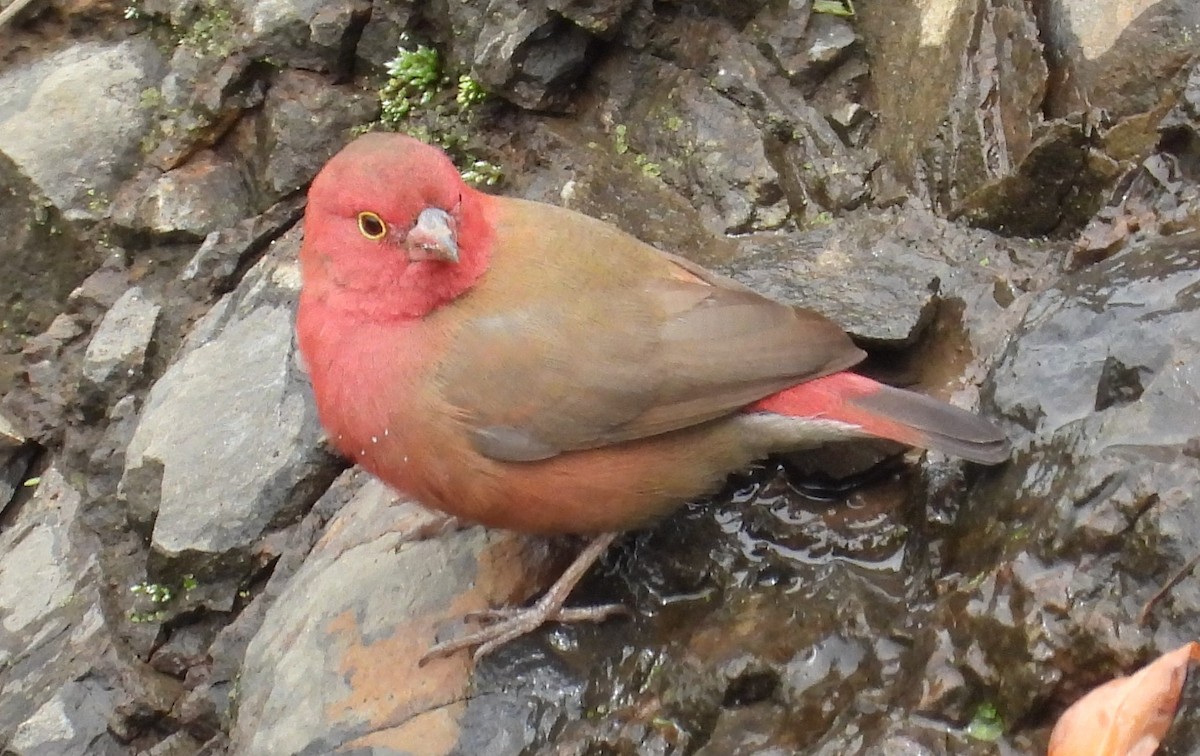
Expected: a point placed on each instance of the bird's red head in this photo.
(391, 230)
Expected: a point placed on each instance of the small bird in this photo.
(524, 366)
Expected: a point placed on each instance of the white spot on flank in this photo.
(374, 439)
(385, 431)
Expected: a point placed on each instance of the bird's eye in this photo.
(371, 225)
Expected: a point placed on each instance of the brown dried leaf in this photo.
(1128, 716)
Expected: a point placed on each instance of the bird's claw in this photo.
(503, 624)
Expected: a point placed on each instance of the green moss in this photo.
(621, 139)
(420, 98)
(986, 724)
(844, 8)
(211, 32)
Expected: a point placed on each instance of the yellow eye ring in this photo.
(371, 225)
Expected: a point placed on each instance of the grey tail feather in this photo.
(943, 427)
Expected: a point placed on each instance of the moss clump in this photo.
(422, 99)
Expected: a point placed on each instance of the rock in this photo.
(16, 453)
(73, 122)
(933, 77)
(228, 443)
(599, 18)
(882, 275)
(41, 260)
(381, 36)
(202, 97)
(529, 55)
(1099, 388)
(804, 45)
(202, 195)
(53, 629)
(1122, 56)
(213, 269)
(1040, 196)
(357, 616)
(669, 122)
(116, 355)
(590, 177)
(305, 120)
(310, 34)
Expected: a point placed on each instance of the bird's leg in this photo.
(505, 624)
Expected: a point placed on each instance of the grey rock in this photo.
(73, 122)
(804, 45)
(599, 18)
(365, 605)
(669, 121)
(52, 631)
(202, 195)
(879, 297)
(310, 34)
(816, 171)
(1118, 57)
(41, 259)
(381, 36)
(1121, 336)
(529, 55)
(882, 276)
(116, 356)
(831, 40)
(212, 270)
(16, 452)
(1099, 389)
(228, 440)
(306, 121)
(202, 97)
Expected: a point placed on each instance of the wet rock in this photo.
(355, 619)
(72, 122)
(1159, 197)
(1099, 388)
(235, 401)
(116, 355)
(1120, 56)
(205, 194)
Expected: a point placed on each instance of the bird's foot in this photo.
(504, 624)
(507, 623)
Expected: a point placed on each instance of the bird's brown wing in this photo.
(628, 344)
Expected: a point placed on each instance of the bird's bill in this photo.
(433, 237)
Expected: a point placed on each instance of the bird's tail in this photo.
(867, 407)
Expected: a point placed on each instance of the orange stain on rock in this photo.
(388, 690)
